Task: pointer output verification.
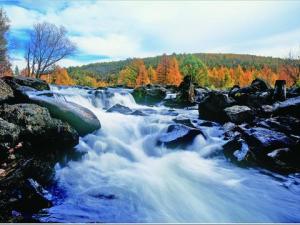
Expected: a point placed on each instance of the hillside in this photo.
(104, 70)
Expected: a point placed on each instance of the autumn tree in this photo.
(128, 75)
(4, 27)
(152, 75)
(142, 77)
(60, 76)
(47, 45)
(194, 67)
(173, 76)
(162, 69)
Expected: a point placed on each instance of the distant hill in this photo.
(104, 70)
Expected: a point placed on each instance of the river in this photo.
(124, 176)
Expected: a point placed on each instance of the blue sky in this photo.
(113, 30)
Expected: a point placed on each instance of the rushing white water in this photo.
(125, 177)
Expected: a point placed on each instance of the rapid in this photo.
(123, 175)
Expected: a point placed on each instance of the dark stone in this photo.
(120, 109)
(238, 151)
(286, 124)
(259, 85)
(290, 106)
(293, 92)
(239, 114)
(35, 83)
(149, 95)
(37, 127)
(213, 105)
(32, 198)
(233, 91)
(263, 140)
(6, 93)
(280, 90)
(179, 135)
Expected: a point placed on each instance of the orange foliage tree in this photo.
(168, 71)
(173, 76)
(142, 77)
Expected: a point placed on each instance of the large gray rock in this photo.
(35, 83)
(81, 119)
(239, 114)
(6, 92)
(37, 127)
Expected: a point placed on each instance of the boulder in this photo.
(6, 93)
(34, 83)
(286, 124)
(120, 109)
(149, 95)
(263, 140)
(255, 95)
(37, 127)
(178, 135)
(239, 114)
(213, 105)
(81, 119)
(290, 106)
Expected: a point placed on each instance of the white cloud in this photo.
(122, 29)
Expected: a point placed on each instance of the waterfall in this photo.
(124, 176)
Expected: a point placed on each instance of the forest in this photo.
(207, 70)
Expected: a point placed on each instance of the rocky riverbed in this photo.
(40, 127)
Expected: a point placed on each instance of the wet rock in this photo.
(290, 106)
(239, 114)
(34, 83)
(286, 124)
(178, 135)
(212, 107)
(138, 113)
(207, 124)
(293, 92)
(238, 151)
(120, 109)
(149, 95)
(184, 121)
(266, 110)
(81, 119)
(32, 198)
(263, 140)
(6, 93)
(38, 127)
